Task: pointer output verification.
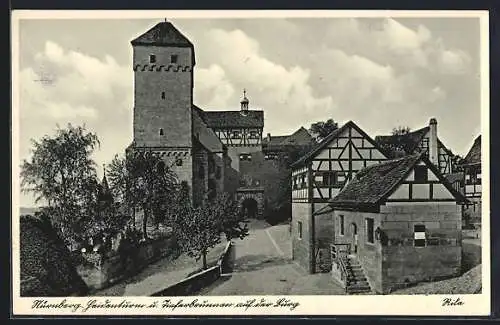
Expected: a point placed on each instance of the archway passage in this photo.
(249, 208)
(251, 202)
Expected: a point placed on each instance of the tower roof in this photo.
(163, 34)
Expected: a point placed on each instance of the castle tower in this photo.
(163, 61)
(163, 64)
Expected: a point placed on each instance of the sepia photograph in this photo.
(197, 155)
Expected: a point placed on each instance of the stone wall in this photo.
(403, 263)
(369, 254)
(302, 247)
(200, 173)
(151, 111)
(119, 266)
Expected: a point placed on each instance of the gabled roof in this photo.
(333, 135)
(373, 184)
(299, 138)
(407, 142)
(163, 34)
(474, 154)
(234, 119)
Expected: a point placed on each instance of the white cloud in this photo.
(212, 88)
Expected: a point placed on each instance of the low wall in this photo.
(109, 270)
(198, 281)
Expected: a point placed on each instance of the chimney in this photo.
(269, 137)
(433, 142)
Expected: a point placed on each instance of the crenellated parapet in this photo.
(159, 68)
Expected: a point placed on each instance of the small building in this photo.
(396, 223)
(471, 168)
(317, 177)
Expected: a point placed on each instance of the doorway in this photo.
(354, 239)
(249, 208)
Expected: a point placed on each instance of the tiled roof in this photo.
(299, 138)
(163, 34)
(205, 135)
(373, 184)
(474, 154)
(406, 142)
(234, 119)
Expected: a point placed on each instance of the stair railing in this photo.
(339, 254)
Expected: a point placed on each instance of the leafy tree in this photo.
(199, 229)
(401, 130)
(143, 180)
(62, 174)
(322, 129)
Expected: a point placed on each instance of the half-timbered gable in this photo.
(333, 162)
(471, 166)
(422, 140)
(237, 129)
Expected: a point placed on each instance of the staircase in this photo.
(357, 282)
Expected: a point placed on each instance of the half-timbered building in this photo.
(319, 176)
(472, 188)
(396, 223)
(422, 140)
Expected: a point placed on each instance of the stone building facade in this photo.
(401, 221)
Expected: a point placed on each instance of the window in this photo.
(369, 230)
(161, 131)
(236, 135)
(173, 58)
(178, 162)
(152, 58)
(419, 235)
(420, 174)
(253, 135)
(245, 157)
(295, 183)
(341, 221)
(162, 95)
(303, 181)
(299, 229)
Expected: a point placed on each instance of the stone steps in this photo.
(357, 283)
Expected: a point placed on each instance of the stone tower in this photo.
(163, 63)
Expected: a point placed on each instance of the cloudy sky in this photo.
(380, 73)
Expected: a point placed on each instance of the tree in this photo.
(143, 179)
(199, 229)
(401, 130)
(62, 174)
(322, 129)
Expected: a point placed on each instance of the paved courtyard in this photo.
(263, 266)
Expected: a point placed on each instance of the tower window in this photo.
(161, 131)
(173, 58)
(152, 58)
(162, 95)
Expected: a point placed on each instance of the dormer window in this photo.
(173, 58)
(152, 58)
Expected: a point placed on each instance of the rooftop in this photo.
(163, 34)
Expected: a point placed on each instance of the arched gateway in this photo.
(251, 201)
